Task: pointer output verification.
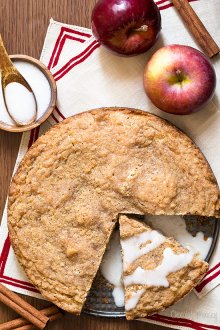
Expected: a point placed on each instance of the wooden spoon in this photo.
(19, 98)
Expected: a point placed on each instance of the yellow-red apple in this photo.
(179, 79)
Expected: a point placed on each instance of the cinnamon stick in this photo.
(197, 28)
(30, 326)
(22, 324)
(20, 306)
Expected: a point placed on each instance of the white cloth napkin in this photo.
(88, 77)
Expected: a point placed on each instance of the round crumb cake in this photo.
(71, 185)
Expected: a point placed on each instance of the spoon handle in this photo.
(9, 72)
(5, 61)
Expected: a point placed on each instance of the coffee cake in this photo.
(73, 182)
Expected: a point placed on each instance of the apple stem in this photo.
(179, 75)
(143, 28)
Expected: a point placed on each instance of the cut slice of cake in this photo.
(157, 270)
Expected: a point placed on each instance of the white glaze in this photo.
(158, 277)
(39, 84)
(111, 268)
(136, 246)
(175, 226)
(119, 296)
(20, 102)
(131, 303)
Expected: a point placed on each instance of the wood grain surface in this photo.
(23, 25)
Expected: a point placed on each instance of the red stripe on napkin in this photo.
(54, 118)
(60, 113)
(57, 116)
(206, 281)
(4, 255)
(7, 279)
(62, 43)
(165, 6)
(37, 130)
(173, 322)
(55, 48)
(82, 59)
(168, 5)
(31, 138)
(160, 1)
(18, 281)
(63, 30)
(211, 270)
(17, 285)
(182, 322)
(84, 34)
(75, 58)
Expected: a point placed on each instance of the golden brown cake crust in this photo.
(68, 190)
(157, 298)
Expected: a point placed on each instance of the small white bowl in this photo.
(48, 75)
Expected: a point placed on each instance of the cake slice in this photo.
(157, 270)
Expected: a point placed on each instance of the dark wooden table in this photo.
(23, 25)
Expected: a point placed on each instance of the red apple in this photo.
(127, 27)
(179, 79)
